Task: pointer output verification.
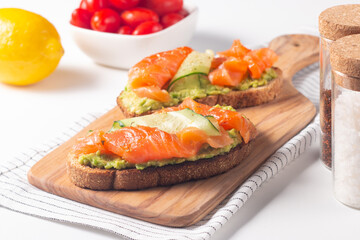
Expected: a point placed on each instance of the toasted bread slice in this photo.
(236, 99)
(132, 179)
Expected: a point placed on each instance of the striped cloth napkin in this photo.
(18, 195)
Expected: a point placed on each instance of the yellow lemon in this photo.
(30, 47)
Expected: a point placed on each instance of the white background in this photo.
(297, 204)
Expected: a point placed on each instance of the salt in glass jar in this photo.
(345, 62)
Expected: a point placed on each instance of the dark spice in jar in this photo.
(325, 124)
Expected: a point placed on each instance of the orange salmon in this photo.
(158, 69)
(233, 65)
(226, 118)
(153, 92)
(141, 144)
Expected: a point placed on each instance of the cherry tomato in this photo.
(124, 4)
(81, 18)
(183, 12)
(136, 16)
(170, 19)
(147, 28)
(106, 20)
(94, 5)
(125, 30)
(163, 7)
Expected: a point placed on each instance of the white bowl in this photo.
(123, 51)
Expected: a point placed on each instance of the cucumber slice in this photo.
(172, 122)
(188, 82)
(188, 118)
(195, 63)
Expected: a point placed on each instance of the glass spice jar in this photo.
(325, 101)
(334, 23)
(345, 62)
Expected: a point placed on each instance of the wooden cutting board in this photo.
(185, 204)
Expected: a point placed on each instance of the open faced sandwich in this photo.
(178, 144)
(238, 77)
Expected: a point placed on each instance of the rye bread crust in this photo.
(132, 179)
(236, 99)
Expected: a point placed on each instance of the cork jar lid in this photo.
(345, 61)
(340, 21)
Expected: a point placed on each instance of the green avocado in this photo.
(267, 76)
(97, 160)
(138, 105)
(201, 89)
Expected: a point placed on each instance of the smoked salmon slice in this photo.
(194, 136)
(141, 144)
(236, 50)
(153, 92)
(233, 65)
(158, 69)
(217, 61)
(229, 73)
(259, 60)
(92, 143)
(226, 118)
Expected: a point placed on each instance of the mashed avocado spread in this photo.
(139, 105)
(97, 160)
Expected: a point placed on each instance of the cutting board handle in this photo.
(295, 52)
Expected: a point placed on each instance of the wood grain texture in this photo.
(185, 204)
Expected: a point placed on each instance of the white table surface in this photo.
(297, 204)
